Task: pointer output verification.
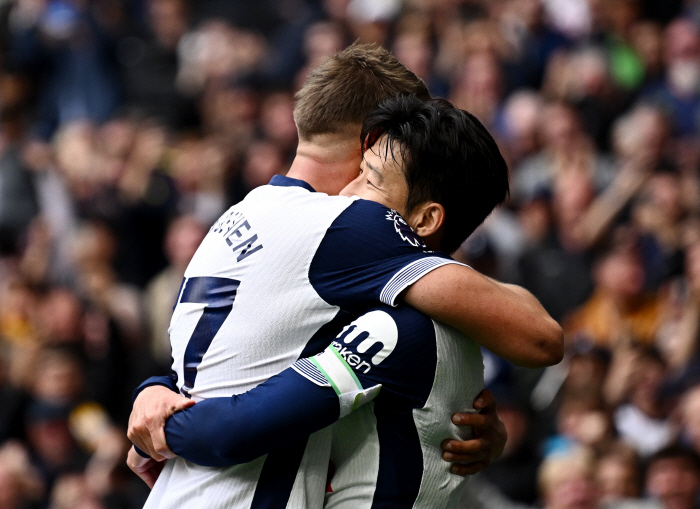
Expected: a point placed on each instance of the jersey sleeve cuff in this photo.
(164, 381)
(307, 369)
(331, 366)
(141, 453)
(409, 275)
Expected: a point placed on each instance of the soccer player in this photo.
(288, 263)
(388, 453)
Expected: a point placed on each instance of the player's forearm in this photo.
(220, 432)
(506, 319)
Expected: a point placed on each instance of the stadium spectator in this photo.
(619, 311)
(181, 241)
(673, 477)
(566, 481)
(618, 474)
(515, 472)
(642, 421)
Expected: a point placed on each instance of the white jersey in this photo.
(270, 274)
(387, 453)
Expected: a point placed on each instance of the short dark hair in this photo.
(448, 157)
(348, 85)
(678, 452)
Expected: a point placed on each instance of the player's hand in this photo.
(151, 409)
(146, 468)
(472, 456)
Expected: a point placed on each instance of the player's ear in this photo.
(427, 218)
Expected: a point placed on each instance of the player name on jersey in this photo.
(234, 226)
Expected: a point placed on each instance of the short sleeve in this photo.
(369, 255)
(394, 348)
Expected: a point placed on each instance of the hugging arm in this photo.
(225, 431)
(220, 432)
(473, 456)
(314, 393)
(369, 254)
(506, 319)
(154, 400)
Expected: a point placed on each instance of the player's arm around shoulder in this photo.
(505, 318)
(370, 255)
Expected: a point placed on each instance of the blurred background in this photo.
(128, 126)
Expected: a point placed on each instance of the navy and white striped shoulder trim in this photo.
(409, 275)
(308, 370)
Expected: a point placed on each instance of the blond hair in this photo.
(557, 468)
(341, 91)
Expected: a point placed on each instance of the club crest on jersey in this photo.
(402, 228)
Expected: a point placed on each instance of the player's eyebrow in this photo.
(375, 170)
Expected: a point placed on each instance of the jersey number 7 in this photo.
(218, 294)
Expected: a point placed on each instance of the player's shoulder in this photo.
(366, 233)
(409, 321)
(374, 221)
(354, 218)
(284, 208)
(402, 325)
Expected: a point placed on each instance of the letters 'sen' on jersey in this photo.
(271, 276)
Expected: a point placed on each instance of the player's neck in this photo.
(327, 163)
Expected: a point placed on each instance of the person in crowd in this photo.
(620, 311)
(618, 475)
(673, 477)
(566, 480)
(181, 241)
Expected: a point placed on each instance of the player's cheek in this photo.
(351, 189)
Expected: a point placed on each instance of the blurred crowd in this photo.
(128, 126)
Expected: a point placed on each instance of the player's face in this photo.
(381, 178)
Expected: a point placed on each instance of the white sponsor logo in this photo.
(374, 327)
